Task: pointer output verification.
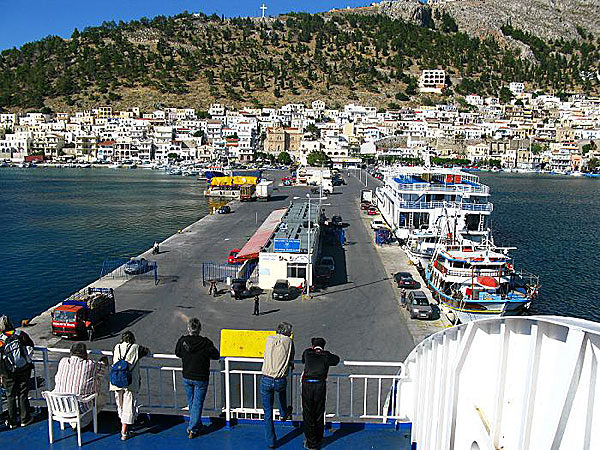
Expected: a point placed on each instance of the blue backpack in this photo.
(121, 371)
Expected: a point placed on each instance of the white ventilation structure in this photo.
(523, 383)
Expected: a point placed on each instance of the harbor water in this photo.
(553, 221)
(60, 225)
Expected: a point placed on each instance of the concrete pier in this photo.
(358, 313)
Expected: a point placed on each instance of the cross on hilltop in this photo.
(263, 8)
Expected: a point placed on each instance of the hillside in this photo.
(546, 19)
(194, 60)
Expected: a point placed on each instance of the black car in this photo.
(225, 209)
(405, 280)
(239, 289)
(281, 290)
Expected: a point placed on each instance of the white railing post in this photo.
(227, 395)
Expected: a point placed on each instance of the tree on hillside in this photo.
(318, 158)
(314, 131)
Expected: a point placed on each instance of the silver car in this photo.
(418, 305)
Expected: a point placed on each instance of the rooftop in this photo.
(294, 225)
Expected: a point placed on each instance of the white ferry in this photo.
(417, 202)
(478, 282)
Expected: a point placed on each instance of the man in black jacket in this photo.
(195, 352)
(316, 361)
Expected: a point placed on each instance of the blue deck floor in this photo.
(164, 432)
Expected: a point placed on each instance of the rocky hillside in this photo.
(345, 56)
(546, 19)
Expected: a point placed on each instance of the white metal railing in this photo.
(357, 390)
(159, 390)
(486, 207)
(441, 187)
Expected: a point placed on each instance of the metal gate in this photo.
(220, 272)
(115, 268)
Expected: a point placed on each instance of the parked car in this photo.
(239, 289)
(405, 280)
(232, 258)
(366, 205)
(136, 266)
(225, 209)
(322, 275)
(281, 290)
(378, 223)
(372, 211)
(327, 261)
(418, 306)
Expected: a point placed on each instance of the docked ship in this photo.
(420, 202)
(476, 282)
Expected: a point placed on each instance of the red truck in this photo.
(247, 192)
(79, 315)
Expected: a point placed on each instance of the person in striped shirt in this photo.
(80, 376)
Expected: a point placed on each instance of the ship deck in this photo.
(159, 432)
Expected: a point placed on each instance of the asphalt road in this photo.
(358, 315)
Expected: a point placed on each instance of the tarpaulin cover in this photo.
(262, 235)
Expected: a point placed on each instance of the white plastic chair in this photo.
(64, 408)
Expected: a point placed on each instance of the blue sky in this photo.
(23, 21)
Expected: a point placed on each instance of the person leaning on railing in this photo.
(278, 360)
(317, 362)
(126, 397)
(195, 352)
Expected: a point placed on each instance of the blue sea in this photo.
(58, 226)
(553, 221)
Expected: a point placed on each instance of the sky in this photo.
(23, 21)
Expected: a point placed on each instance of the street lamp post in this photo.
(308, 267)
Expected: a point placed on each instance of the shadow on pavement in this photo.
(117, 323)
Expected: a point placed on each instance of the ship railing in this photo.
(480, 189)
(487, 207)
(356, 390)
(469, 272)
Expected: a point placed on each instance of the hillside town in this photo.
(529, 132)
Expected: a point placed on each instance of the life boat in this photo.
(488, 282)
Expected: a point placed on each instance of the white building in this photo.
(516, 87)
(432, 81)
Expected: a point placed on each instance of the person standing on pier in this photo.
(195, 352)
(125, 380)
(316, 361)
(256, 306)
(278, 360)
(16, 348)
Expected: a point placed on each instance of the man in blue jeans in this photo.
(279, 358)
(195, 352)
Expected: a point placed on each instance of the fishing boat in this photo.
(476, 282)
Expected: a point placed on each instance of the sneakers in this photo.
(127, 435)
(27, 422)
